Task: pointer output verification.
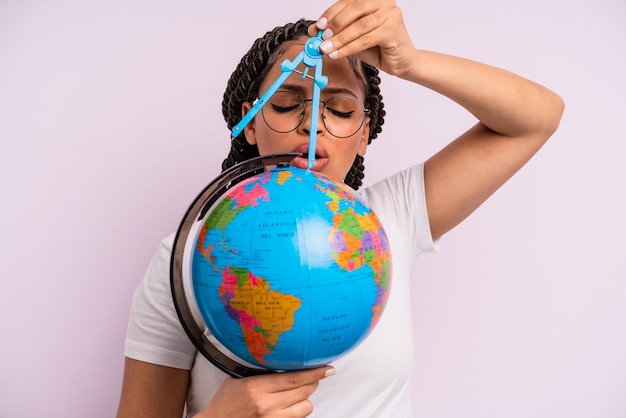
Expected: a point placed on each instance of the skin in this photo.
(516, 116)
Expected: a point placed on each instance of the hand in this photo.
(274, 395)
(373, 30)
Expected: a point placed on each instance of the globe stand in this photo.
(196, 212)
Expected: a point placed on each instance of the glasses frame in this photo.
(366, 113)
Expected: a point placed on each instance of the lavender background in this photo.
(110, 124)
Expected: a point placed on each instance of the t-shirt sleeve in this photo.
(154, 333)
(401, 199)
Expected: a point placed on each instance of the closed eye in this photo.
(284, 109)
(339, 114)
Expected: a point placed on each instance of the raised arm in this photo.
(515, 116)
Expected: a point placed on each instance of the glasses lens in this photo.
(283, 112)
(343, 116)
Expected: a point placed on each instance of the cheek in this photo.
(266, 141)
(264, 148)
(357, 146)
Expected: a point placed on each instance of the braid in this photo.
(243, 86)
(373, 102)
(354, 178)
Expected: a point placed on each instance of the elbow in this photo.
(554, 112)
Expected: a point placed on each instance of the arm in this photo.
(516, 116)
(152, 391)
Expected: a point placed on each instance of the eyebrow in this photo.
(298, 88)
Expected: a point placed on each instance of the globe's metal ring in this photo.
(197, 211)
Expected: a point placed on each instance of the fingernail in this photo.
(322, 22)
(330, 372)
(328, 33)
(326, 46)
(333, 54)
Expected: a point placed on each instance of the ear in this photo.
(362, 146)
(248, 130)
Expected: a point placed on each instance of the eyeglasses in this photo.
(342, 116)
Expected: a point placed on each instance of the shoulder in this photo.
(400, 194)
(399, 201)
(154, 333)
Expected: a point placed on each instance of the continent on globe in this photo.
(263, 314)
(355, 240)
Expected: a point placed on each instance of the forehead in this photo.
(340, 73)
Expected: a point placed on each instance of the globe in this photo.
(290, 269)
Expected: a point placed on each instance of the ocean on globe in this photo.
(290, 269)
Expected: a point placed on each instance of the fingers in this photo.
(290, 391)
(352, 26)
(329, 14)
(293, 380)
(342, 12)
(272, 395)
(372, 30)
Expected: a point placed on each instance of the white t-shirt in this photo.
(373, 380)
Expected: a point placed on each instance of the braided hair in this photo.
(245, 81)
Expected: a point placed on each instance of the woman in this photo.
(164, 373)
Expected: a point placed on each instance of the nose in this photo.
(305, 126)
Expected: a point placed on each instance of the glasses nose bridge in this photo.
(322, 105)
(305, 122)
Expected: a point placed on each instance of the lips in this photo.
(321, 157)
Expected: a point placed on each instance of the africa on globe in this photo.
(290, 269)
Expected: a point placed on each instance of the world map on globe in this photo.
(290, 269)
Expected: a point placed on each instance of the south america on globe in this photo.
(290, 269)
